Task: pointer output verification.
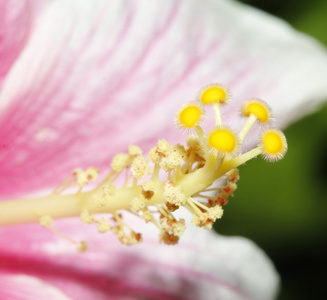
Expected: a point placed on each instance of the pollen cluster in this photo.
(198, 177)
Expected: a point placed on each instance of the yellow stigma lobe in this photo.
(214, 94)
(274, 144)
(222, 140)
(257, 108)
(189, 116)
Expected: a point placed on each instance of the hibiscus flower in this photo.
(82, 80)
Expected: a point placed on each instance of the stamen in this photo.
(103, 225)
(137, 204)
(134, 150)
(162, 211)
(46, 221)
(139, 167)
(193, 208)
(147, 216)
(154, 187)
(64, 185)
(120, 162)
(86, 217)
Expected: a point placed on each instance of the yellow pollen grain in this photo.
(222, 140)
(92, 173)
(82, 247)
(86, 217)
(190, 116)
(213, 94)
(273, 143)
(103, 226)
(257, 109)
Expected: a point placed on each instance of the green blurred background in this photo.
(282, 207)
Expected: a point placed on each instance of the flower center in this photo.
(155, 185)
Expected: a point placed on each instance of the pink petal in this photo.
(96, 76)
(18, 20)
(202, 266)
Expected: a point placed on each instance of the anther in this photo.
(174, 157)
(148, 189)
(92, 174)
(134, 150)
(120, 162)
(103, 225)
(86, 217)
(137, 204)
(147, 216)
(173, 195)
(139, 167)
(109, 190)
(46, 221)
(82, 246)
